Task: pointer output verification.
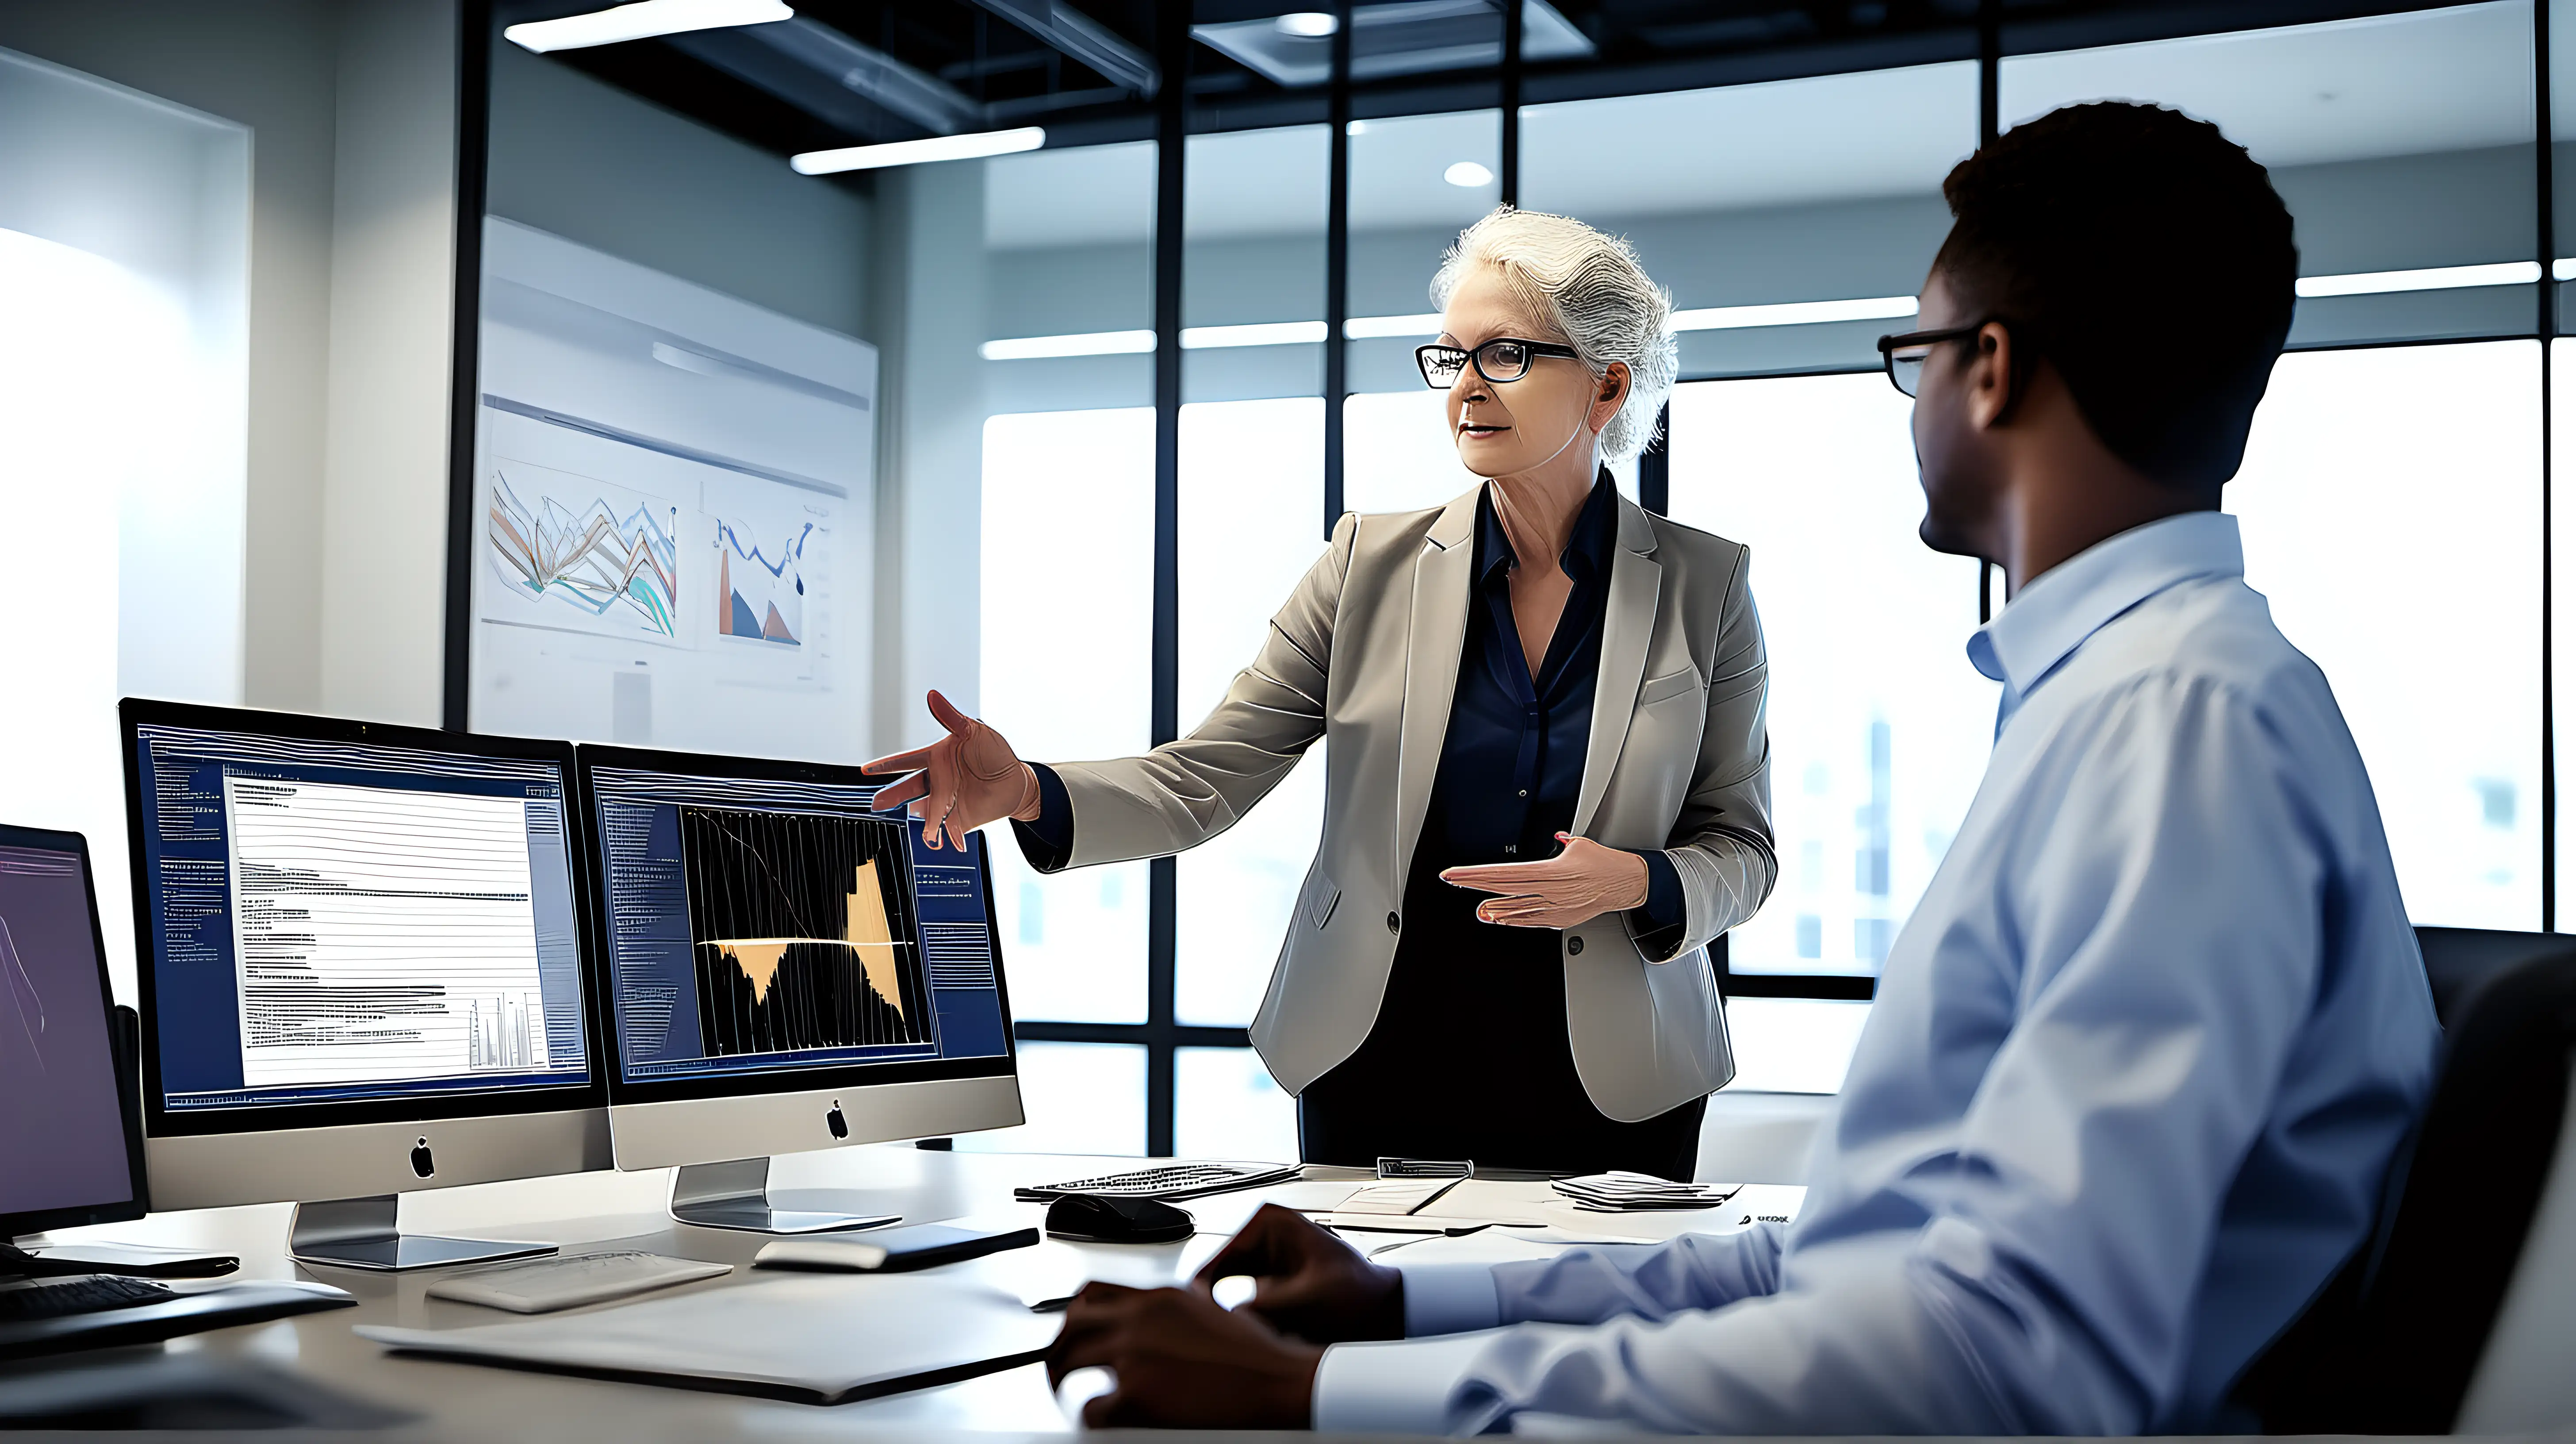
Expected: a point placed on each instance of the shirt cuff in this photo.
(1048, 842)
(1659, 924)
(1449, 1298)
(1397, 1388)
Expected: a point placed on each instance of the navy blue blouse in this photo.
(1512, 764)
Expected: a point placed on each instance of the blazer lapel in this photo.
(1636, 582)
(1439, 631)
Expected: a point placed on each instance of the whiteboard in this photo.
(673, 513)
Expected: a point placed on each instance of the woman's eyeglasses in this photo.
(1904, 355)
(1505, 358)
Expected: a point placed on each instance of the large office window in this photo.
(2390, 504)
(1065, 439)
(1877, 720)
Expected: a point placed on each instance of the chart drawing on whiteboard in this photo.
(760, 596)
(580, 553)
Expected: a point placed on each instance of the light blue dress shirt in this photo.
(2137, 1067)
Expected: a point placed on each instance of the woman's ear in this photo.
(1609, 394)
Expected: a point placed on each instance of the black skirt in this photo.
(1469, 1059)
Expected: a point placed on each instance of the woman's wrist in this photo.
(1032, 796)
(1644, 882)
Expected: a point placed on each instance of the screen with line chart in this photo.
(775, 924)
(336, 921)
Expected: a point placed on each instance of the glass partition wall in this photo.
(1129, 378)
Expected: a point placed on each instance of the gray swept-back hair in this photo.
(1590, 287)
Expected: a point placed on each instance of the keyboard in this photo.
(545, 1285)
(85, 1294)
(1166, 1181)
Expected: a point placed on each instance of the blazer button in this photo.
(1574, 945)
(1394, 924)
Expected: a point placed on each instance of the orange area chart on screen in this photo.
(866, 932)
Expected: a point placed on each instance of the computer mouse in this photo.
(1099, 1218)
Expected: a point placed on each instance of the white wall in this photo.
(593, 164)
(268, 65)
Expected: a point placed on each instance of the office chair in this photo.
(2394, 1345)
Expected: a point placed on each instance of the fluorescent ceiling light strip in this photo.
(2434, 278)
(1374, 328)
(2563, 269)
(644, 18)
(1793, 313)
(1089, 343)
(918, 152)
(1264, 333)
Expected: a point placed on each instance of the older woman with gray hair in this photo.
(1548, 785)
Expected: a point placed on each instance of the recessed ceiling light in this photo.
(1307, 24)
(1469, 174)
(915, 152)
(1357, 127)
(641, 19)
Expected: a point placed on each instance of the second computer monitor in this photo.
(785, 968)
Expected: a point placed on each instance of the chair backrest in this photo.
(2392, 1345)
(2457, 960)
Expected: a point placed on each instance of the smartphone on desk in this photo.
(893, 1250)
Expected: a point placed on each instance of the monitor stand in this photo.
(736, 1195)
(364, 1233)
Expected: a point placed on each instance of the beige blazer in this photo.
(1365, 655)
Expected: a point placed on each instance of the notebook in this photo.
(820, 1339)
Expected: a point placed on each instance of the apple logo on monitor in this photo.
(421, 1162)
(833, 1120)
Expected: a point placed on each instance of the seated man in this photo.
(2141, 1057)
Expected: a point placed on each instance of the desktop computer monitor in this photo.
(783, 969)
(70, 1153)
(361, 959)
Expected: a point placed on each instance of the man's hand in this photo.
(1307, 1282)
(1183, 1361)
(960, 782)
(1575, 886)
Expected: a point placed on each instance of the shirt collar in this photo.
(1587, 548)
(2057, 610)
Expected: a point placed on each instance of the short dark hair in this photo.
(2148, 258)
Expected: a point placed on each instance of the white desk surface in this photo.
(588, 1212)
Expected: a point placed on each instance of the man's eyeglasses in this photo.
(1505, 358)
(1904, 355)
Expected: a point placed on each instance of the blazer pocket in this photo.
(1670, 685)
(1316, 903)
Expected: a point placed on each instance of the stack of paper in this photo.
(1620, 1192)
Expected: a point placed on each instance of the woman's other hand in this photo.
(960, 782)
(1575, 886)
(1306, 1282)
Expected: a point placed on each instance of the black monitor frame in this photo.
(785, 1080)
(138, 1201)
(135, 713)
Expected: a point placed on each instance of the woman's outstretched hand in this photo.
(1575, 886)
(960, 782)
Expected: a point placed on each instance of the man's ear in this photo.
(1994, 380)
